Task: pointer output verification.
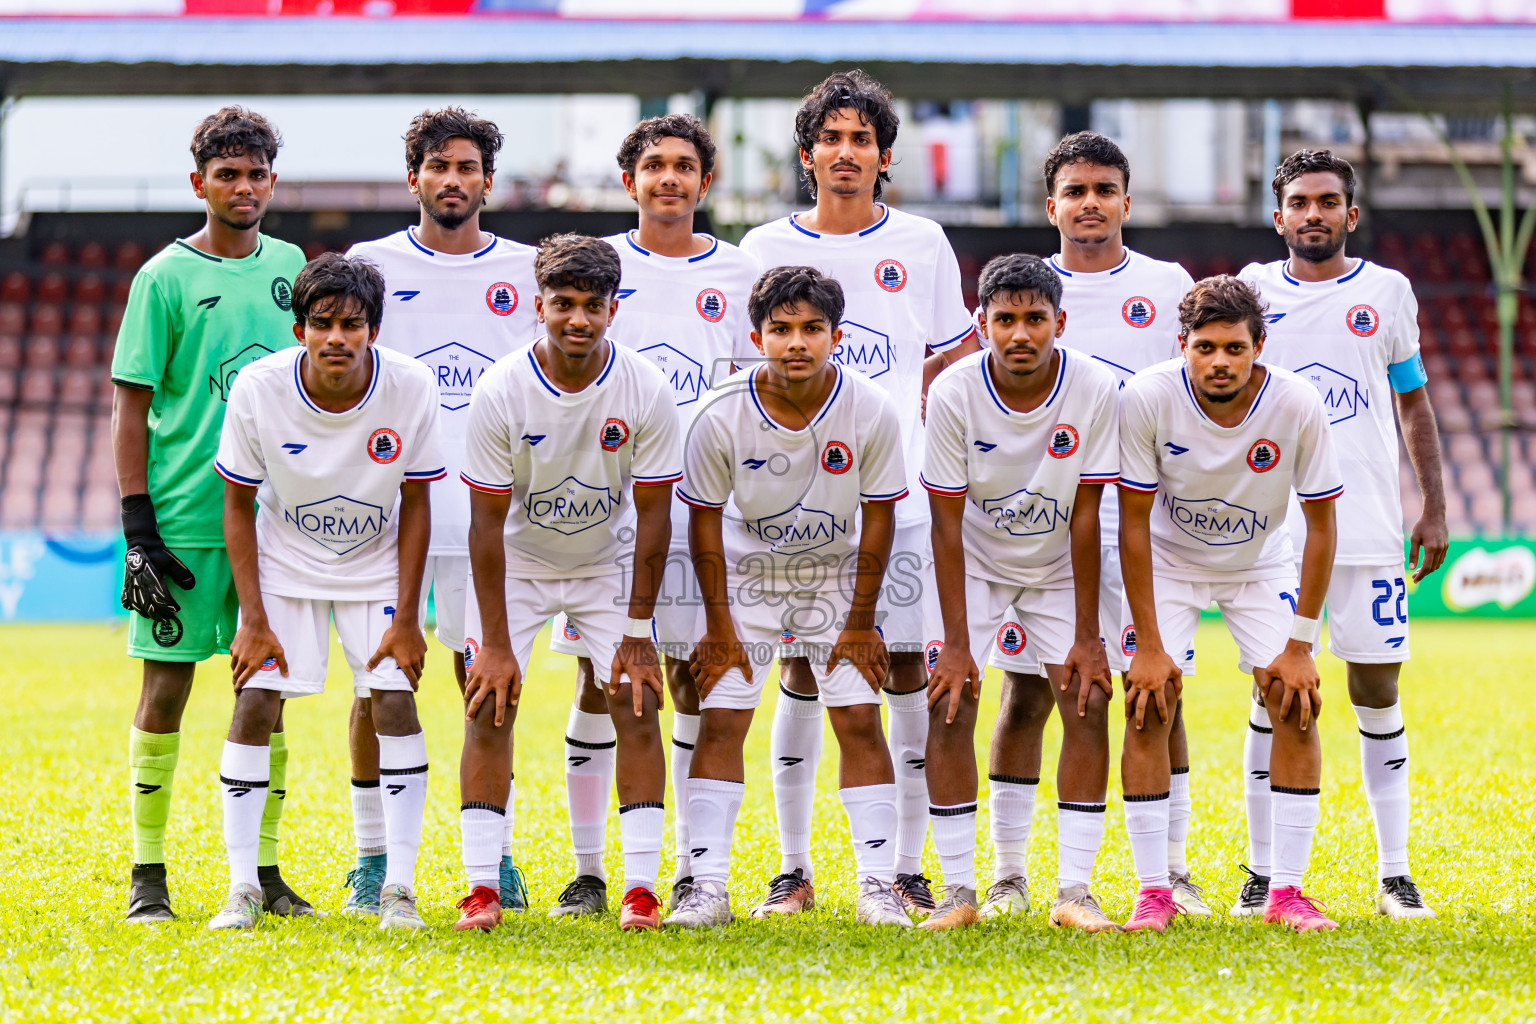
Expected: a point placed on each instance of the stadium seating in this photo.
(60, 312)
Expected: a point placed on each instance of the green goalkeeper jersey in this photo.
(193, 320)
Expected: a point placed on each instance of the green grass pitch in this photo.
(65, 955)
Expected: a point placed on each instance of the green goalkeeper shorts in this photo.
(206, 623)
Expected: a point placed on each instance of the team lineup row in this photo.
(738, 465)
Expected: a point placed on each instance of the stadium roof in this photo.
(1437, 66)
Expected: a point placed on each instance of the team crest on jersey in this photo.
(613, 435)
(501, 297)
(384, 446)
(167, 632)
(269, 665)
(890, 275)
(1010, 638)
(570, 632)
(282, 293)
(471, 651)
(931, 654)
(1138, 311)
(836, 458)
(710, 304)
(1128, 641)
(1363, 321)
(786, 637)
(1063, 441)
(1263, 455)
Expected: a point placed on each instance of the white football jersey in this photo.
(686, 314)
(458, 314)
(792, 497)
(570, 459)
(1127, 319)
(901, 285)
(328, 483)
(1222, 492)
(1356, 339)
(1019, 471)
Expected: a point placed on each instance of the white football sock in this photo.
(403, 778)
(685, 733)
(589, 746)
(1384, 769)
(1146, 821)
(640, 838)
(909, 744)
(1079, 831)
(712, 807)
(244, 772)
(368, 817)
(954, 837)
(1179, 806)
(1011, 801)
(872, 829)
(794, 748)
(506, 837)
(482, 828)
(1295, 813)
(1256, 744)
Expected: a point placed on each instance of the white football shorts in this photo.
(1258, 614)
(596, 606)
(303, 627)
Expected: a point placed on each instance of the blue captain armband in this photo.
(1408, 375)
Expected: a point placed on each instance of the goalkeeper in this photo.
(199, 310)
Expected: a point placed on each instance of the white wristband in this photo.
(639, 628)
(1306, 630)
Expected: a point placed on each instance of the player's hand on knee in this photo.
(254, 649)
(1293, 681)
(636, 658)
(495, 677)
(713, 656)
(404, 642)
(1153, 680)
(954, 669)
(1087, 663)
(865, 650)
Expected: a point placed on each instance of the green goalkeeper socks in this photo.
(151, 766)
(277, 789)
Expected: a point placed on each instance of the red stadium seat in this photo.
(54, 254)
(85, 319)
(37, 388)
(42, 352)
(10, 352)
(100, 509)
(91, 288)
(52, 287)
(47, 319)
(15, 287)
(8, 386)
(81, 350)
(113, 322)
(60, 508)
(92, 254)
(13, 318)
(18, 507)
(128, 257)
(105, 390)
(120, 289)
(76, 392)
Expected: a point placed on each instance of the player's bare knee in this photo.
(681, 688)
(857, 727)
(394, 713)
(1372, 686)
(795, 675)
(362, 711)
(1027, 701)
(591, 697)
(256, 713)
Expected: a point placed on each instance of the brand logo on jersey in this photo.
(471, 652)
(282, 293)
(1063, 441)
(570, 632)
(890, 275)
(710, 304)
(1128, 640)
(407, 296)
(931, 654)
(293, 448)
(864, 349)
(685, 375)
(339, 523)
(1362, 320)
(1214, 521)
(501, 298)
(167, 632)
(458, 368)
(1025, 513)
(1138, 311)
(210, 301)
(836, 458)
(1263, 456)
(384, 446)
(984, 446)
(613, 435)
(1010, 638)
(798, 529)
(1273, 318)
(624, 293)
(225, 379)
(571, 506)
(754, 463)
(1174, 449)
(1341, 393)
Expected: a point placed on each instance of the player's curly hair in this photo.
(792, 287)
(1221, 299)
(431, 130)
(669, 126)
(847, 89)
(234, 131)
(333, 279)
(1018, 273)
(1311, 161)
(1086, 148)
(577, 261)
